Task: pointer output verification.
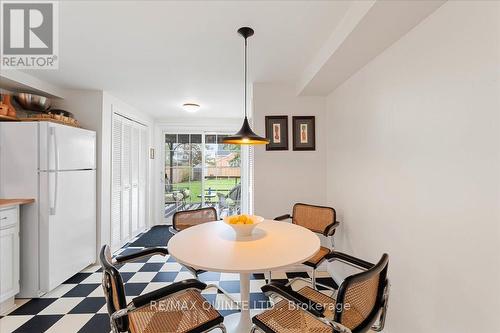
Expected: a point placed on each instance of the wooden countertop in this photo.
(13, 202)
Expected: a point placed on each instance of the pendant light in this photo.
(245, 135)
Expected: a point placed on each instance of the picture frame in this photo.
(277, 132)
(304, 133)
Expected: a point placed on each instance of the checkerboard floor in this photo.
(78, 305)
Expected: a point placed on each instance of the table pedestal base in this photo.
(236, 324)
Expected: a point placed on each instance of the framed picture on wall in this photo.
(277, 132)
(304, 133)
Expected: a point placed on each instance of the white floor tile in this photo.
(171, 267)
(157, 258)
(278, 275)
(11, 323)
(142, 277)
(91, 269)
(229, 277)
(94, 278)
(131, 267)
(61, 306)
(154, 286)
(59, 291)
(70, 323)
(98, 292)
(255, 285)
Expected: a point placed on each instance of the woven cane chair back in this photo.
(360, 297)
(314, 218)
(188, 218)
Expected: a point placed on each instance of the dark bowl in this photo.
(61, 113)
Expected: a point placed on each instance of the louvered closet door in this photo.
(116, 188)
(143, 162)
(134, 175)
(126, 180)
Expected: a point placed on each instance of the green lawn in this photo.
(217, 185)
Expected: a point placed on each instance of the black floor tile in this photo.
(281, 281)
(151, 267)
(259, 301)
(293, 275)
(126, 276)
(230, 286)
(209, 276)
(228, 312)
(82, 290)
(327, 282)
(134, 289)
(77, 278)
(89, 305)
(38, 324)
(165, 277)
(33, 306)
(97, 324)
(257, 276)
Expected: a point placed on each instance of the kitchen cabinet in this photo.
(9, 256)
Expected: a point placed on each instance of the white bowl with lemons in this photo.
(243, 225)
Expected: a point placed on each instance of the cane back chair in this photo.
(189, 218)
(319, 219)
(178, 307)
(360, 305)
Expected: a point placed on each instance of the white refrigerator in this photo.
(56, 165)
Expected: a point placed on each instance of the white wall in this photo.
(283, 178)
(413, 169)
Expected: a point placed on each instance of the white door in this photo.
(143, 174)
(69, 148)
(116, 188)
(126, 181)
(129, 180)
(134, 176)
(68, 240)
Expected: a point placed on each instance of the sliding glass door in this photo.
(201, 171)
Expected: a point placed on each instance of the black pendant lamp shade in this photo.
(245, 135)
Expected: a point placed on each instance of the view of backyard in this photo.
(197, 162)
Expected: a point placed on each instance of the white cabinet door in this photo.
(9, 256)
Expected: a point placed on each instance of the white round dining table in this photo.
(213, 247)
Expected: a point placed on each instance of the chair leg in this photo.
(313, 278)
(114, 329)
(254, 329)
(225, 293)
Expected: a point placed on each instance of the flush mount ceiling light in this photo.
(245, 135)
(190, 107)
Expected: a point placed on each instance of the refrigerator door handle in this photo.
(52, 210)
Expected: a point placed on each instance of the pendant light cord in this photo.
(245, 77)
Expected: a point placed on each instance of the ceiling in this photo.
(157, 55)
